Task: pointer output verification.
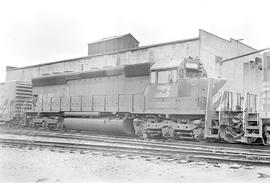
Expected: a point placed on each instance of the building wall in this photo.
(214, 49)
(209, 48)
(162, 53)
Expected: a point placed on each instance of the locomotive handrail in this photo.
(93, 105)
(247, 105)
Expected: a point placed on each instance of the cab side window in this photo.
(165, 77)
(153, 77)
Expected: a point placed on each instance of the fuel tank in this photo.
(117, 126)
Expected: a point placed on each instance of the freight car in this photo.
(170, 100)
(15, 99)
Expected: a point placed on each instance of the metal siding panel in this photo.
(112, 103)
(39, 104)
(135, 85)
(55, 104)
(139, 103)
(46, 104)
(111, 46)
(125, 103)
(87, 103)
(76, 103)
(99, 103)
(65, 103)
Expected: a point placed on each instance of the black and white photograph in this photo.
(125, 91)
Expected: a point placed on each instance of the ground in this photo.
(37, 165)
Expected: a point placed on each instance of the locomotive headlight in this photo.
(192, 66)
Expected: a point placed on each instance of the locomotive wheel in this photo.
(228, 134)
(31, 124)
(167, 132)
(145, 135)
(212, 140)
(44, 124)
(59, 126)
(140, 131)
(251, 140)
(198, 133)
(266, 135)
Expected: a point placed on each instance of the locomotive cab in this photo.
(177, 98)
(174, 71)
(177, 87)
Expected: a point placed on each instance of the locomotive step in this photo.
(252, 118)
(216, 136)
(233, 111)
(253, 127)
(253, 135)
(214, 127)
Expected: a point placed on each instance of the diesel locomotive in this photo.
(173, 100)
(149, 100)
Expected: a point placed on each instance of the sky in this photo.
(35, 31)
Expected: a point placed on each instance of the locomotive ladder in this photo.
(212, 114)
(252, 123)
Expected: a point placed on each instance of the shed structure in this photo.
(112, 44)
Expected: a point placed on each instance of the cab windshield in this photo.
(164, 76)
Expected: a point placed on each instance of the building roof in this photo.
(231, 39)
(114, 37)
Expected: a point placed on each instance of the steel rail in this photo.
(137, 141)
(142, 149)
(133, 141)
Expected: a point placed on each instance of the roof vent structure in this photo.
(112, 44)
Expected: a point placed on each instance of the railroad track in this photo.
(140, 147)
(135, 140)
